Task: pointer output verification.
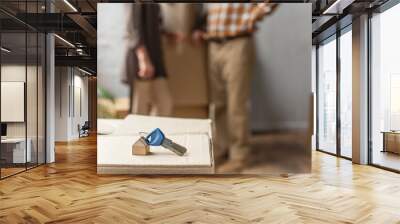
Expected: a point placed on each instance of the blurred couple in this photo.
(228, 30)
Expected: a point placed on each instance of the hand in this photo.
(175, 38)
(146, 68)
(198, 36)
(180, 37)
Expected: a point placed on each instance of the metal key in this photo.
(157, 138)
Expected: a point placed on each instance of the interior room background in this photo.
(72, 101)
(22, 77)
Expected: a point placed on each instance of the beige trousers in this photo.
(152, 97)
(230, 69)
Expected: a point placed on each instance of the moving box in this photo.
(116, 137)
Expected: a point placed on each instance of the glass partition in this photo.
(14, 153)
(32, 95)
(327, 96)
(334, 94)
(22, 77)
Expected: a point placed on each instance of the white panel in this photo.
(282, 73)
(12, 101)
(78, 102)
(76, 120)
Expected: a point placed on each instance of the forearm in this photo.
(142, 54)
(146, 69)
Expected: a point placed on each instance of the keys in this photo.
(174, 147)
(157, 138)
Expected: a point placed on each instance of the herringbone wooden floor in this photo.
(69, 191)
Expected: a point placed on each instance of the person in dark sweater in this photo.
(147, 75)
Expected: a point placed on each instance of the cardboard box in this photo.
(185, 63)
(178, 17)
(114, 146)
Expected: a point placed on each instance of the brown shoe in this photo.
(231, 167)
(221, 159)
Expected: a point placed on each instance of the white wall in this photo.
(33, 126)
(282, 78)
(80, 110)
(70, 84)
(113, 43)
(61, 103)
(12, 73)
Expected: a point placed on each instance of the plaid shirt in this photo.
(233, 19)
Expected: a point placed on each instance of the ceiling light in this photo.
(5, 50)
(80, 51)
(70, 5)
(84, 71)
(338, 6)
(64, 40)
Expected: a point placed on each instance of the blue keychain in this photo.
(157, 138)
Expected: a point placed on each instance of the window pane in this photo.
(386, 89)
(346, 94)
(327, 97)
(41, 99)
(31, 99)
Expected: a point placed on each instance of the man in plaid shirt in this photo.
(231, 55)
(226, 20)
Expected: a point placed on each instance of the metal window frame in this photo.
(339, 32)
(387, 5)
(44, 74)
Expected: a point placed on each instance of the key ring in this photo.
(143, 134)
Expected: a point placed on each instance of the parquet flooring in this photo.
(70, 191)
(10, 171)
